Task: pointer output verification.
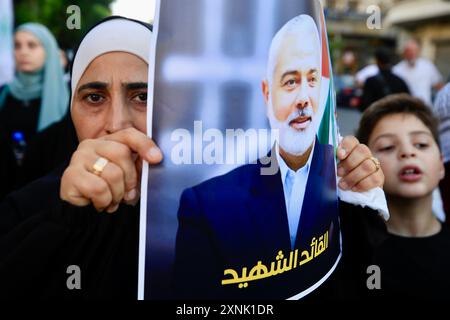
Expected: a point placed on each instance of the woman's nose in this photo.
(118, 117)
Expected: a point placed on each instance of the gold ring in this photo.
(376, 162)
(99, 166)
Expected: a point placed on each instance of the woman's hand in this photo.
(359, 170)
(119, 180)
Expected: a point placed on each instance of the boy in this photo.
(414, 259)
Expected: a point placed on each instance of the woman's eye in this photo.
(94, 98)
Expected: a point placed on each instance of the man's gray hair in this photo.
(299, 26)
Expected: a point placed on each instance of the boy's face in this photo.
(409, 156)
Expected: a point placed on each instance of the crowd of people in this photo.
(55, 211)
(413, 75)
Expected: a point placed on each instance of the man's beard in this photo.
(292, 141)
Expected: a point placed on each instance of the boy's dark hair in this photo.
(394, 104)
(383, 56)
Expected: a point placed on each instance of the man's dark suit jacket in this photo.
(235, 220)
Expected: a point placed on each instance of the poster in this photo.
(6, 44)
(244, 204)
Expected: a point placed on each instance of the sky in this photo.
(143, 10)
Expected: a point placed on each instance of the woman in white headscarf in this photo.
(108, 108)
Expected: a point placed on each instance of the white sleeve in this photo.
(397, 70)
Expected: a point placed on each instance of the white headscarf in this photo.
(116, 34)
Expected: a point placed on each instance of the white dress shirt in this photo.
(294, 187)
(420, 78)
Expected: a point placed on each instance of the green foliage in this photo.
(53, 14)
(336, 45)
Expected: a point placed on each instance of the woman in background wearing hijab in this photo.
(38, 96)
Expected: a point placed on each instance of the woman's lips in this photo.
(410, 174)
(300, 123)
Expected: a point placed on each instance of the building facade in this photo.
(427, 21)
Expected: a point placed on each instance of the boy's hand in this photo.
(359, 170)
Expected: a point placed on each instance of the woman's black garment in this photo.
(15, 116)
(20, 116)
(38, 244)
(49, 148)
(41, 236)
(45, 152)
(8, 165)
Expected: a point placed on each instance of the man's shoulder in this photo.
(251, 174)
(399, 65)
(424, 62)
(372, 80)
(238, 181)
(401, 69)
(397, 80)
(236, 177)
(220, 197)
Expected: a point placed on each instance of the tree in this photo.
(53, 14)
